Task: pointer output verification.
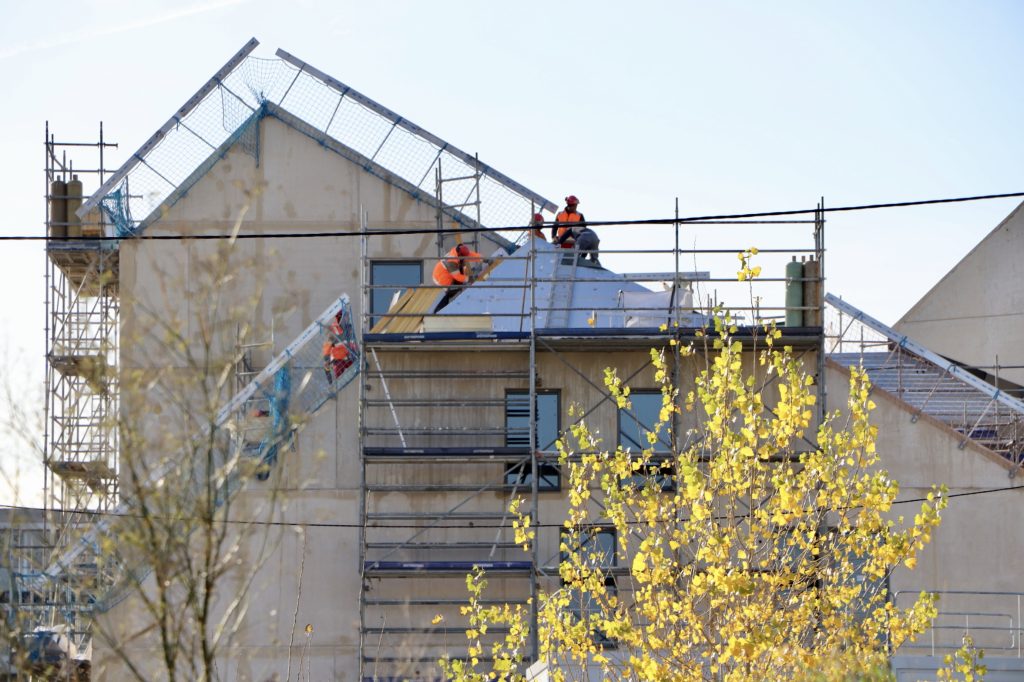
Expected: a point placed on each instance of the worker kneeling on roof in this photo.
(454, 271)
(564, 221)
(585, 241)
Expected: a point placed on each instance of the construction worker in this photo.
(537, 222)
(454, 271)
(566, 217)
(336, 352)
(585, 241)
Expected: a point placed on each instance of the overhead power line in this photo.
(523, 228)
(334, 524)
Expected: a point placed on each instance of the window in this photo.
(596, 545)
(634, 424)
(597, 549)
(663, 474)
(398, 274)
(517, 435)
(637, 420)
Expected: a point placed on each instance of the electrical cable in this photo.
(327, 524)
(518, 228)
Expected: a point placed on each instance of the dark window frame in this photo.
(375, 315)
(661, 446)
(520, 474)
(593, 531)
(609, 576)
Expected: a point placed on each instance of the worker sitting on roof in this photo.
(584, 239)
(337, 353)
(454, 271)
(566, 217)
(537, 222)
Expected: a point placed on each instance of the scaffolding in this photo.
(929, 384)
(455, 409)
(80, 448)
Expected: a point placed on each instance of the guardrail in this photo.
(991, 618)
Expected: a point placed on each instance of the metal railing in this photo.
(992, 620)
(542, 287)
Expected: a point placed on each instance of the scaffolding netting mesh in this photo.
(229, 113)
(322, 361)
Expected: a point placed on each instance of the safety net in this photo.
(227, 110)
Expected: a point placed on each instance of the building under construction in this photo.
(399, 462)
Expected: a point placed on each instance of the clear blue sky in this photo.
(730, 106)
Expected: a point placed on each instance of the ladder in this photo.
(558, 311)
(470, 201)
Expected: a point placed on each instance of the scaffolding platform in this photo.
(93, 368)
(84, 262)
(93, 474)
(502, 454)
(460, 568)
(470, 439)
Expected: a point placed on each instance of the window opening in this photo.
(597, 549)
(639, 419)
(399, 275)
(517, 435)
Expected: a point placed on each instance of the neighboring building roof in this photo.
(230, 104)
(975, 313)
(1013, 257)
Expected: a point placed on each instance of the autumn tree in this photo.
(757, 549)
(186, 548)
(166, 579)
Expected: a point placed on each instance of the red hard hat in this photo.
(571, 200)
(538, 218)
(462, 250)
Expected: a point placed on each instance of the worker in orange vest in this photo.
(454, 271)
(537, 222)
(565, 218)
(336, 352)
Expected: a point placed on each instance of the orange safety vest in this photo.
(449, 270)
(337, 358)
(335, 351)
(566, 217)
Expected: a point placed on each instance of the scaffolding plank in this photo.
(448, 566)
(446, 452)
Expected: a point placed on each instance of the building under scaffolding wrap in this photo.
(393, 433)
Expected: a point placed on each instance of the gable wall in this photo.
(980, 543)
(976, 312)
(278, 284)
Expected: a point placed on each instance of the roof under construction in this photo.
(544, 287)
